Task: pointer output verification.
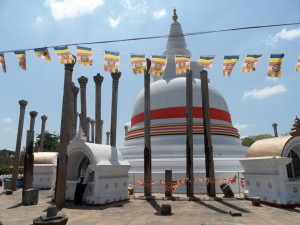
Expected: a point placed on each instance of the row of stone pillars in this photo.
(28, 157)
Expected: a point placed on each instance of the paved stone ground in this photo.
(139, 211)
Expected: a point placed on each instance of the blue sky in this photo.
(254, 101)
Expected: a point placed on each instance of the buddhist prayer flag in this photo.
(111, 61)
(206, 61)
(43, 53)
(22, 59)
(158, 65)
(139, 64)
(274, 69)
(249, 64)
(64, 55)
(228, 63)
(182, 64)
(2, 62)
(298, 64)
(84, 56)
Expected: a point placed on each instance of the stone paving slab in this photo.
(139, 210)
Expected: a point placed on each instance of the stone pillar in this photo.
(275, 129)
(72, 117)
(44, 118)
(75, 95)
(168, 183)
(126, 128)
(88, 120)
(114, 108)
(189, 135)
(80, 121)
(99, 123)
(61, 172)
(209, 160)
(83, 81)
(29, 158)
(107, 137)
(93, 131)
(15, 171)
(147, 136)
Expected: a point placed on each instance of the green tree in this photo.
(248, 141)
(51, 141)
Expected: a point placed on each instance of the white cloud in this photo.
(265, 92)
(158, 14)
(240, 126)
(114, 22)
(38, 20)
(135, 7)
(62, 9)
(7, 120)
(284, 34)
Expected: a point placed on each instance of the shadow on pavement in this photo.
(233, 206)
(211, 207)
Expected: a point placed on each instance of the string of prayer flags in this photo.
(21, 55)
(84, 56)
(275, 65)
(206, 61)
(250, 62)
(64, 55)
(2, 62)
(158, 65)
(43, 53)
(228, 64)
(111, 61)
(298, 64)
(182, 64)
(139, 64)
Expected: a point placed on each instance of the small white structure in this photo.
(110, 183)
(272, 171)
(43, 169)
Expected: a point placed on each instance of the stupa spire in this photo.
(176, 43)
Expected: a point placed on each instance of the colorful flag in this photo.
(249, 64)
(64, 55)
(111, 61)
(228, 63)
(43, 53)
(2, 62)
(206, 61)
(298, 64)
(182, 64)
(139, 64)
(22, 59)
(158, 65)
(275, 65)
(84, 56)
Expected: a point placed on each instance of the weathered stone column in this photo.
(75, 95)
(29, 158)
(80, 121)
(274, 125)
(44, 118)
(209, 159)
(189, 135)
(93, 131)
(88, 119)
(83, 81)
(147, 134)
(61, 174)
(107, 137)
(99, 123)
(15, 171)
(72, 117)
(114, 108)
(126, 128)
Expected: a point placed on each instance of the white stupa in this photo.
(168, 125)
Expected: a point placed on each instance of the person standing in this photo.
(81, 183)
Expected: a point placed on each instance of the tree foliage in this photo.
(51, 141)
(248, 141)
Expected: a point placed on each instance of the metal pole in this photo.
(209, 160)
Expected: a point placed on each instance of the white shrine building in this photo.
(168, 126)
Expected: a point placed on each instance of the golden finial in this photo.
(175, 17)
